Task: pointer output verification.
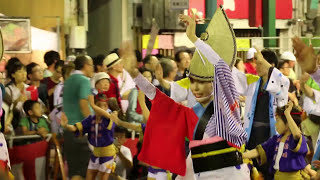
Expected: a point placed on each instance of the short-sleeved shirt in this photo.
(76, 87)
(31, 126)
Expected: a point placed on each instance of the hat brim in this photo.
(114, 63)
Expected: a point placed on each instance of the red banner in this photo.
(235, 9)
(284, 9)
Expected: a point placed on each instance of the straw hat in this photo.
(220, 36)
(111, 60)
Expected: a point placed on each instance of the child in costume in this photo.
(153, 172)
(286, 151)
(213, 125)
(100, 135)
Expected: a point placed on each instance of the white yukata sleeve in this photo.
(316, 76)
(207, 51)
(148, 88)
(178, 93)
(278, 86)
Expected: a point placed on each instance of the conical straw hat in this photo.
(220, 36)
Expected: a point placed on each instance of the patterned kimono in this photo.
(286, 158)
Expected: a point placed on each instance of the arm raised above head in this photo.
(145, 86)
(204, 48)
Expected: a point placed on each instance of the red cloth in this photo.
(33, 91)
(28, 154)
(250, 69)
(132, 145)
(114, 90)
(164, 139)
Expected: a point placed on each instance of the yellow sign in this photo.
(243, 44)
(145, 40)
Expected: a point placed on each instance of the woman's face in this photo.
(202, 90)
(20, 75)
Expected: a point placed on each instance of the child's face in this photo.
(281, 127)
(102, 105)
(103, 85)
(36, 110)
(121, 137)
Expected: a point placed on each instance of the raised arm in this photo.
(159, 76)
(306, 58)
(144, 108)
(292, 125)
(97, 109)
(204, 48)
(307, 90)
(130, 65)
(264, 65)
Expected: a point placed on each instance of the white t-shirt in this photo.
(120, 168)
